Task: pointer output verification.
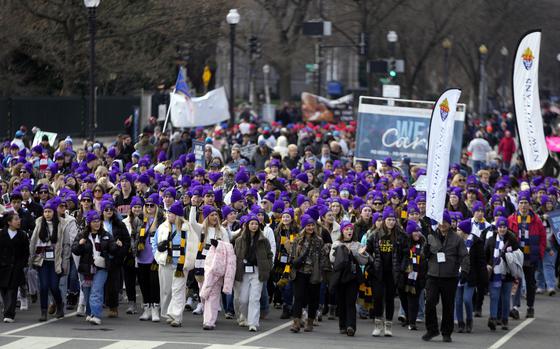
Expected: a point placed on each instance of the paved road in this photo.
(128, 332)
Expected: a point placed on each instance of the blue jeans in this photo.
(546, 277)
(227, 301)
(288, 294)
(265, 302)
(93, 296)
(477, 165)
(464, 296)
(48, 281)
(73, 280)
(500, 295)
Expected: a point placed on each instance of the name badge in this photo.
(441, 257)
(199, 263)
(283, 259)
(249, 269)
(414, 260)
(205, 252)
(49, 254)
(152, 239)
(412, 275)
(176, 251)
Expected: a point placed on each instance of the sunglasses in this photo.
(97, 191)
(108, 210)
(86, 200)
(43, 192)
(150, 205)
(22, 171)
(462, 180)
(378, 203)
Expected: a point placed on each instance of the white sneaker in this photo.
(551, 292)
(155, 313)
(88, 318)
(147, 314)
(253, 329)
(377, 328)
(388, 329)
(189, 304)
(95, 320)
(199, 309)
(81, 311)
(23, 303)
(8, 320)
(304, 316)
(241, 321)
(539, 291)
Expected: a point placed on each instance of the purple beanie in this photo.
(388, 212)
(177, 208)
(207, 210)
(465, 226)
(344, 224)
(306, 220)
(92, 216)
(411, 227)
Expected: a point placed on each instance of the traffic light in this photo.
(253, 42)
(392, 68)
(363, 44)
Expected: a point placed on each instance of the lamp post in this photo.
(91, 6)
(446, 44)
(558, 80)
(266, 72)
(504, 52)
(483, 51)
(232, 18)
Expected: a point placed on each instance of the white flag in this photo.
(527, 103)
(210, 109)
(439, 148)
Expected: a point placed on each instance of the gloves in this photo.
(299, 261)
(214, 242)
(162, 246)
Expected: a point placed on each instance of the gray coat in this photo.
(455, 251)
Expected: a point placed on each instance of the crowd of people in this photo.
(270, 216)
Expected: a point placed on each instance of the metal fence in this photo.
(65, 115)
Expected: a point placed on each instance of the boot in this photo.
(308, 325)
(155, 312)
(461, 327)
(59, 311)
(469, 326)
(147, 314)
(514, 313)
(332, 312)
(492, 324)
(296, 326)
(319, 316)
(52, 308)
(505, 325)
(530, 313)
(377, 328)
(113, 313)
(131, 308)
(388, 329)
(43, 315)
(285, 312)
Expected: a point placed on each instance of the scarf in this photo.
(142, 236)
(200, 257)
(523, 232)
(413, 269)
(496, 280)
(468, 244)
(170, 237)
(180, 264)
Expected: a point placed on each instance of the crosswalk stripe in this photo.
(126, 344)
(36, 343)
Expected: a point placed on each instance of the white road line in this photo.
(264, 334)
(127, 344)
(108, 340)
(35, 325)
(510, 334)
(36, 343)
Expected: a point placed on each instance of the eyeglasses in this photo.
(108, 210)
(86, 200)
(378, 203)
(462, 180)
(150, 205)
(22, 171)
(43, 192)
(97, 191)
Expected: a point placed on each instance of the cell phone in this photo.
(6, 198)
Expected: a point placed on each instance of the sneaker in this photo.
(199, 309)
(492, 324)
(207, 328)
(8, 320)
(420, 319)
(514, 314)
(131, 308)
(175, 323)
(350, 332)
(277, 306)
(402, 318)
(377, 328)
(447, 339)
(428, 336)
(388, 329)
(155, 313)
(229, 316)
(412, 328)
(551, 292)
(95, 320)
(24, 304)
(147, 314)
(241, 321)
(252, 328)
(539, 291)
(52, 308)
(88, 318)
(189, 304)
(530, 313)
(81, 311)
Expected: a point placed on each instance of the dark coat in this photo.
(477, 275)
(407, 263)
(85, 251)
(120, 232)
(510, 240)
(400, 246)
(453, 246)
(263, 253)
(317, 253)
(14, 255)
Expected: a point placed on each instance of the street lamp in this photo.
(266, 72)
(446, 44)
(558, 59)
(232, 18)
(91, 5)
(483, 51)
(504, 52)
(392, 38)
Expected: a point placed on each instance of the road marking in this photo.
(36, 343)
(107, 340)
(7, 333)
(512, 333)
(264, 334)
(128, 344)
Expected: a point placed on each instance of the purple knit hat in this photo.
(207, 210)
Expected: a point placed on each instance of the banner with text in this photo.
(440, 140)
(399, 131)
(527, 103)
(318, 109)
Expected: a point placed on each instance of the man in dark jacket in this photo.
(445, 252)
(14, 255)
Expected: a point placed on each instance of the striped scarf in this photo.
(468, 244)
(181, 263)
(496, 280)
(142, 236)
(200, 257)
(413, 269)
(523, 233)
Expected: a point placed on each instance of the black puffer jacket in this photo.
(107, 248)
(120, 232)
(400, 245)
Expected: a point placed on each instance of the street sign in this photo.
(199, 159)
(311, 67)
(206, 76)
(391, 91)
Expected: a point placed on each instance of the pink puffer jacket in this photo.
(219, 263)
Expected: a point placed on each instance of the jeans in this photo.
(384, 297)
(93, 295)
(227, 302)
(545, 273)
(421, 304)
(477, 165)
(464, 296)
(73, 280)
(48, 281)
(288, 294)
(264, 302)
(500, 295)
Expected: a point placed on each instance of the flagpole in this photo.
(168, 111)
